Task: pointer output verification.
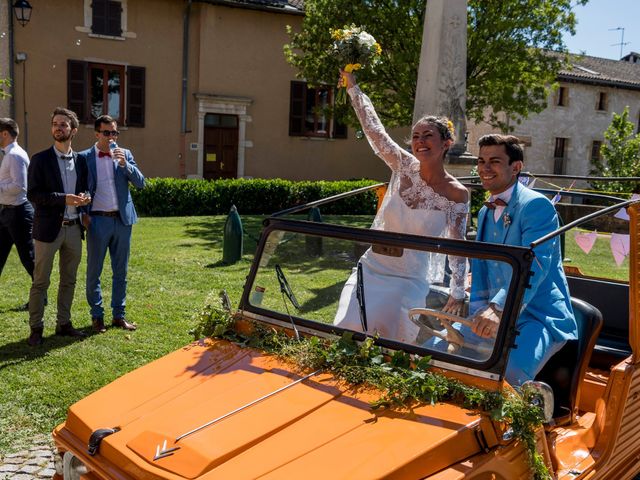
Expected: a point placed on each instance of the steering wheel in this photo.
(452, 336)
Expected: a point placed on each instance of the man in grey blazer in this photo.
(111, 216)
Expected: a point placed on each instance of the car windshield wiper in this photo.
(360, 297)
(285, 289)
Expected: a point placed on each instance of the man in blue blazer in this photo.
(111, 216)
(516, 215)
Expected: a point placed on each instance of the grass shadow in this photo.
(20, 351)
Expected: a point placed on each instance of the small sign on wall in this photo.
(211, 157)
(194, 147)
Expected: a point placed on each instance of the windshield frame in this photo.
(519, 258)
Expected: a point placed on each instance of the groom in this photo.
(516, 215)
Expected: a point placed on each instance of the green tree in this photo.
(620, 156)
(508, 68)
(5, 83)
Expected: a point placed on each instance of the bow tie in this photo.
(66, 157)
(104, 154)
(498, 202)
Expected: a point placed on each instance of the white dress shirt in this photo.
(104, 198)
(506, 197)
(13, 175)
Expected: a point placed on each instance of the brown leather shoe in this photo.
(35, 339)
(122, 323)
(67, 330)
(98, 325)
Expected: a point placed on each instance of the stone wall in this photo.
(579, 121)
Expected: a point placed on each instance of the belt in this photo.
(68, 223)
(8, 206)
(115, 213)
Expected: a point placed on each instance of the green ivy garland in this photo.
(404, 381)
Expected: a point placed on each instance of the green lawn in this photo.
(599, 262)
(175, 263)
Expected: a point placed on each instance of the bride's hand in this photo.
(454, 306)
(349, 77)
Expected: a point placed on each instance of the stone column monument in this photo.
(442, 74)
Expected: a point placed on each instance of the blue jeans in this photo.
(107, 233)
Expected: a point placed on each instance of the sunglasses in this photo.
(112, 133)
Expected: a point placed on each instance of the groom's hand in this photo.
(486, 322)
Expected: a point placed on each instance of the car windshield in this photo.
(326, 278)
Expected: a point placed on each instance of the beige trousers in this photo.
(69, 244)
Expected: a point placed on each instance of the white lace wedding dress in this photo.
(392, 284)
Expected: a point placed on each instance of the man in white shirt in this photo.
(16, 213)
(109, 223)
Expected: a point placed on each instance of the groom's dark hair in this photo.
(510, 142)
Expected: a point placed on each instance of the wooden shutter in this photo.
(297, 108)
(99, 17)
(135, 96)
(114, 19)
(77, 88)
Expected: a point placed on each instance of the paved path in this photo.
(34, 463)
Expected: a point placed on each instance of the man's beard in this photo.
(62, 137)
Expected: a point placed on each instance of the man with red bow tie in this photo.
(517, 215)
(110, 219)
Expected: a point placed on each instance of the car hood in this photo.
(316, 428)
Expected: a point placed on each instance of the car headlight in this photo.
(72, 467)
(540, 395)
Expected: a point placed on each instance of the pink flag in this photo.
(619, 247)
(585, 240)
(622, 213)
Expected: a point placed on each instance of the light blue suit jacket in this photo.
(529, 216)
(122, 176)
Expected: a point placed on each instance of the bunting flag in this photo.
(585, 240)
(524, 181)
(556, 198)
(619, 247)
(622, 213)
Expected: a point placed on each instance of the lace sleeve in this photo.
(381, 143)
(457, 228)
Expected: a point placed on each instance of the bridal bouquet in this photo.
(355, 49)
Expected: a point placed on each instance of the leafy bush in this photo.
(177, 197)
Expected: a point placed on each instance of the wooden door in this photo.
(220, 146)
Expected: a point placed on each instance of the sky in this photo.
(595, 19)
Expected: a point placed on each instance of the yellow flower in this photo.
(378, 48)
(352, 67)
(451, 127)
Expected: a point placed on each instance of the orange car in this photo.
(222, 409)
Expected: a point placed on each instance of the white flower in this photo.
(366, 39)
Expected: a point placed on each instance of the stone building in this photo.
(566, 135)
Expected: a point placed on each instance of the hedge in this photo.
(165, 197)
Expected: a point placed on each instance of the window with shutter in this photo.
(308, 112)
(106, 17)
(95, 89)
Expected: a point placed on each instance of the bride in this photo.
(422, 199)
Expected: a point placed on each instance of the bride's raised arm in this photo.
(381, 143)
